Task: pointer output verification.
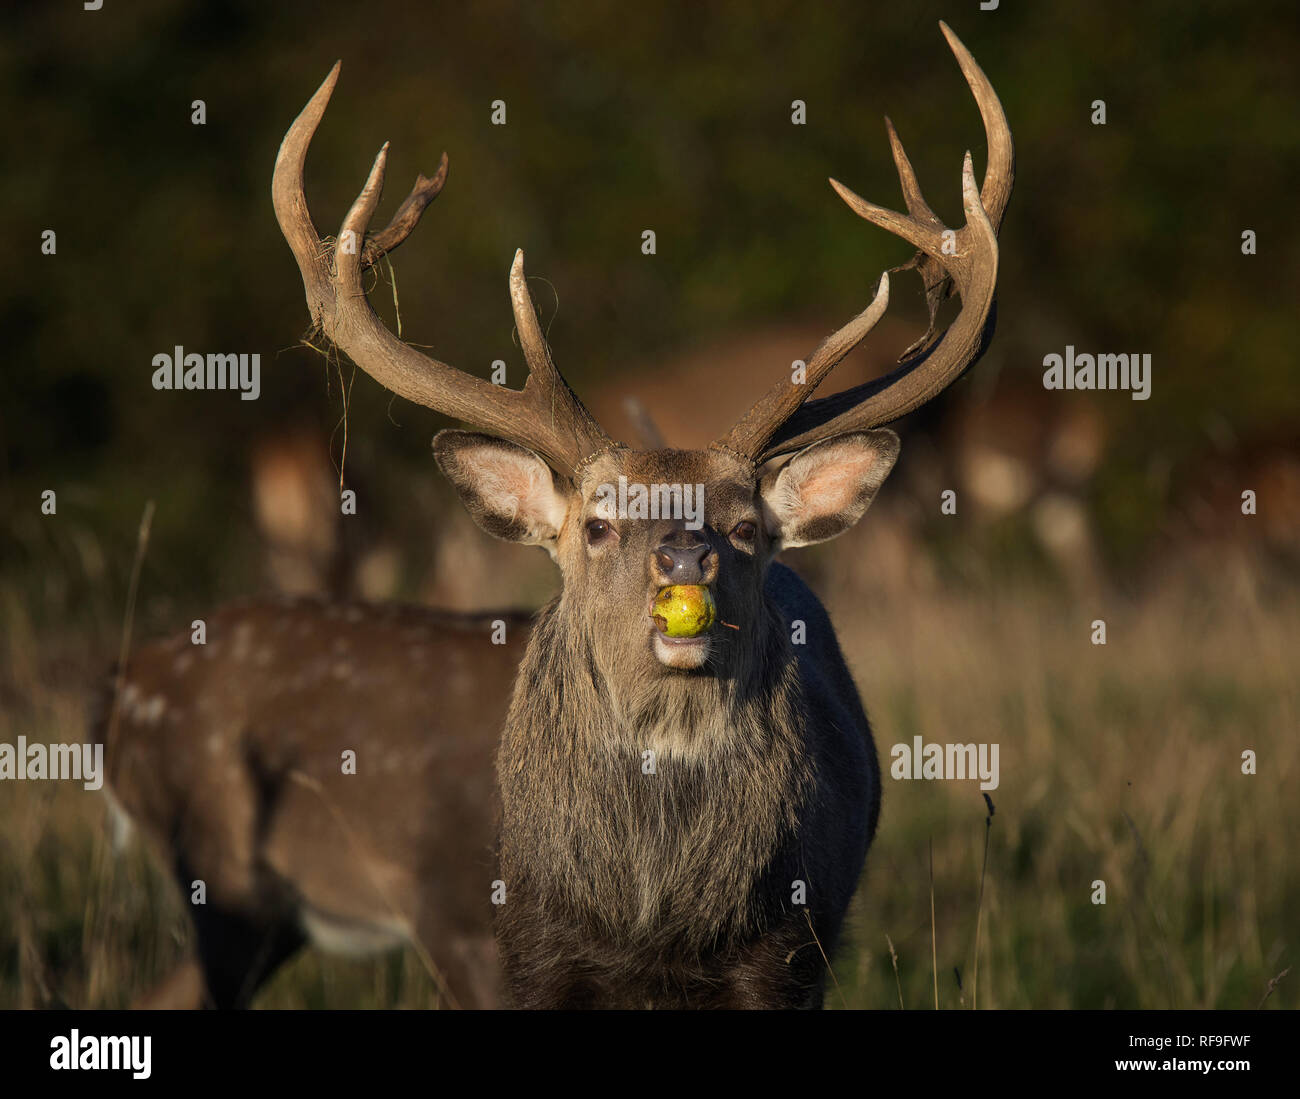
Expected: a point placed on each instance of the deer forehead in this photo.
(727, 479)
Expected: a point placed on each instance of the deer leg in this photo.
(238, 951)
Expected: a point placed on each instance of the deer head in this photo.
(795, 470)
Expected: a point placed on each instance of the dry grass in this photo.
(1119, 763)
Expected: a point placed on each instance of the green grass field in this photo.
(1119, 763)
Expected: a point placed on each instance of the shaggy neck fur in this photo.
(676, 857)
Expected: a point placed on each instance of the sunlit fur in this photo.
(675, 888)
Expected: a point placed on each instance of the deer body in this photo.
(684, 821)
(681, 888)
(234, 765)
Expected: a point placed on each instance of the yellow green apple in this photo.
(684, 610)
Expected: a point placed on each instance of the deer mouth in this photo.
(683, 653)
(676, 646)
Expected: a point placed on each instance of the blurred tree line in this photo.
(620, 118)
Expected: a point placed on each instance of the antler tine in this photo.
(556, 400)
(1000, 171)
(544, 416)
(974, 271)
(999, 176)
(753, 431)
(916, 204)
(347, 253)
(289, 198)
(538, 356)
(403, 222)
(933, 277)
(785, 419)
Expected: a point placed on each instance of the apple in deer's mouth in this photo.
(684, 610)
(683, 614)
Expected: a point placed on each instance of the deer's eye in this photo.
(744, 531)
(598, 531)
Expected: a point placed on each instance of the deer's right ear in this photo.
(827, 487)
(509, 491)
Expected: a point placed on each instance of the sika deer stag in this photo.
(685, 812)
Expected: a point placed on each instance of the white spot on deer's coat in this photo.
(120, 823)
(354, 939)
(182, 663)
(152, 710)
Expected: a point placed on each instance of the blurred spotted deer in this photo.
(323, 771)
(685, 815)
(315, 769)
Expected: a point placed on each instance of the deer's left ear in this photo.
(510, 492)
(823, 490)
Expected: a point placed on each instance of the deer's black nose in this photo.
(682, 564)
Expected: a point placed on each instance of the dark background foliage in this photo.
(621, 117)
